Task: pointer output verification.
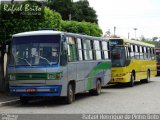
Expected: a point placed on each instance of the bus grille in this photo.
(31, 76)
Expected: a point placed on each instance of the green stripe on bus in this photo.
(97, 69)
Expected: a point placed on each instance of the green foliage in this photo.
(51, 19)
(78, 11)
(14, 24)
(83, 12)
(64, 7)
(157, 44)
(81, 27)
(151, 41)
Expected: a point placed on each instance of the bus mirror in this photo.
(6, 48)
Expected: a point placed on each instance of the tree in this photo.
(77, 11)
(83, 12)
(81, 28)
(12, 25)
(155, 38)
(64, 7)
(151, 41)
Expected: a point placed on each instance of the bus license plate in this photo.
(31, 90)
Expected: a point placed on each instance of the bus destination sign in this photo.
(116, 42)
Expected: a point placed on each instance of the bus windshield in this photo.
(118, 56)
(37, 50)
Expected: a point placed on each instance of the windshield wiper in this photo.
(25, 60)
(46, 60)
(50, 63)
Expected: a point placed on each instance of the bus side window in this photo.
(132, 52)
(79, 44)
(87, 50)
(141, 52)
(72, 49)
(152, 54)
(97, 50)
(145, 52)
(127, 53)
(148, 53)
(136, 52)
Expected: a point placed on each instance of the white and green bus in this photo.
(56, 63)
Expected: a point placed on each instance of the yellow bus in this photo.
(132, 61)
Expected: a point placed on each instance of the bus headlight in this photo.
(54, 76)
(12, 77)
(50, 76)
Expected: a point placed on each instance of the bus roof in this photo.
(133, 41)
(40, 32)
(52, 32)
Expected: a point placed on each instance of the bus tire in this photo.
(24, 100)
(148, 77)
(97, 90)
(70, 94)
(131, 83)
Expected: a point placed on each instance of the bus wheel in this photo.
(131, 83)
(148, 77)
(97, 90)
(24, 100)
(70, 94)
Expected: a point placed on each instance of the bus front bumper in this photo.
(121, 79)
(36, 90)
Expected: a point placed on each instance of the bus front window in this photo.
(118, 56)
(35, 50)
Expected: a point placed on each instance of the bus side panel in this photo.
(77, 75)
(102, 71)
(107, 76)
(85, 75)
(84, 69)
(89, 72)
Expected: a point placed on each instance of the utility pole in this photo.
(128, 35)
(135, 29)
(114, 31)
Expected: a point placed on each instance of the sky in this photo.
(126, 15)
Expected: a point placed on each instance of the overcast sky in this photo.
(128, 14)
